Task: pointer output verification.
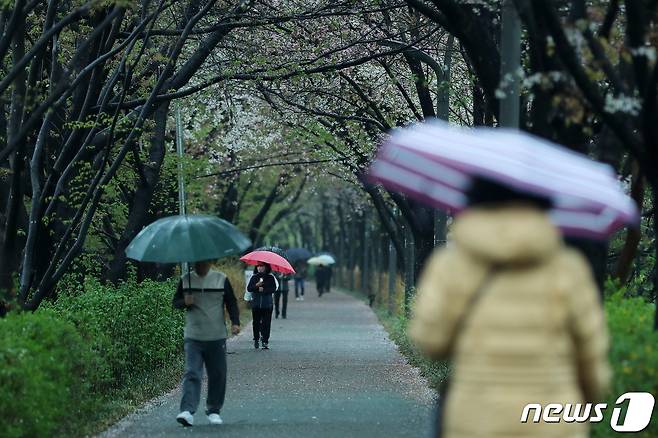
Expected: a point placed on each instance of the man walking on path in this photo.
(203, 294)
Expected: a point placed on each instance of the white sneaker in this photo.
(215, 419)
(297, 299)
(301, 298)
(185, 418)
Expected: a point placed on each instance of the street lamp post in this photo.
(181, 183)
(180, 150)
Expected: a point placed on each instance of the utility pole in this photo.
(510, 63)
(180, 150)
(182, 208)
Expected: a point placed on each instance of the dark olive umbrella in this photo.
(297, 254)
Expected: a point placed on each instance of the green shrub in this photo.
(46, 372)
(633, 353)
(132, 327)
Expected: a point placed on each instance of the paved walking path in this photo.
(331, 371)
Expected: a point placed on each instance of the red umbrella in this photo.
(278, 263)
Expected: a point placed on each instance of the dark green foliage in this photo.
(46, 373)
(633, 354)
(133, 327)
(89, 357)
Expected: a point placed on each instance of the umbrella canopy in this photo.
(189, 238)
(297, 254)
(326, 259)
(314, 261)
(321, 260)
(275, 250)
(278, 263)
(435, 164)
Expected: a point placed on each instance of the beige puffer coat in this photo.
(536, 335)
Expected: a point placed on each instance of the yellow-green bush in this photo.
(132, 327)
(633, 354)
(46, 373)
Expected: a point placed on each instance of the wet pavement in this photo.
(331, 371)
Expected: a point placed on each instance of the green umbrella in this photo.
(189, 238)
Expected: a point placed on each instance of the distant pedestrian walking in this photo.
(328, 275)
(300, 276)
(262, 285)
(203, 294)
(321, 279)
(281, 297)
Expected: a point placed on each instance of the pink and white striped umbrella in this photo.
(434, 163)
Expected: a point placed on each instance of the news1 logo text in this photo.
(639, 408)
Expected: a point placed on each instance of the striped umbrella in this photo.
(435, 163)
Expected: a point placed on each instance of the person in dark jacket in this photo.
(203, 294)
(262, 285)
(321, 279)
(327, 284)
(281, 292)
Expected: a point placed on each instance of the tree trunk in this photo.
(654, 220)
(633, 235)
(143, 196)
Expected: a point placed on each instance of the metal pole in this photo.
(180, 149)
(181, 183)
(510, 57)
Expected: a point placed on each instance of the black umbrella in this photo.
(297, 254)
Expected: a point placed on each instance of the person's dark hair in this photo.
(485, 192)
(268, 268)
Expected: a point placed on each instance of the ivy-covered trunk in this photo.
(143, 196)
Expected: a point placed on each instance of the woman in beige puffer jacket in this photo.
(537, 333)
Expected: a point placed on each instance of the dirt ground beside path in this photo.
(331, 371)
